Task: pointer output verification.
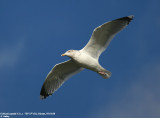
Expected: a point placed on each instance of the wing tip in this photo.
(127, 18)
(42, 97)
(44, 94)
(131, 17)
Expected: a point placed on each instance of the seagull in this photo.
(86, 58)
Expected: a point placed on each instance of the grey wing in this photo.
(57, 76)
(103, 34)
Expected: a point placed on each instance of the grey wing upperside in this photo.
(103, 34)
(57, 76)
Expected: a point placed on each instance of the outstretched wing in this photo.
(103, 34)
(57, 76)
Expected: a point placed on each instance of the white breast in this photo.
(87, 61)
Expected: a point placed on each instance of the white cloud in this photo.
(10, 54)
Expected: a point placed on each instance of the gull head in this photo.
(70, 53)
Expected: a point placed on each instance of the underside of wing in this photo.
(57, 76)
(103, 34)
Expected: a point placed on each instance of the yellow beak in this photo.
(63, 55)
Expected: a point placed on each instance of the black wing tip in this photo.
(44, 94)
(42, 97)
(127, 18)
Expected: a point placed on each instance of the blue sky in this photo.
(33, 35)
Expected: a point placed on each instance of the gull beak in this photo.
(63, 55)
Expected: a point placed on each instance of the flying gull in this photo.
(85, 58)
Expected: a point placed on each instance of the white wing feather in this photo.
(57, 76)
(103, 34)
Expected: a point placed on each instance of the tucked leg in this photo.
(102, 73)
(105, 74)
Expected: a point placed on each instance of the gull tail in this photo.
(105, 74)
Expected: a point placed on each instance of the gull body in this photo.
(86, 58)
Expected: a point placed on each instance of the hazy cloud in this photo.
(143, 98)
(10, 54)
